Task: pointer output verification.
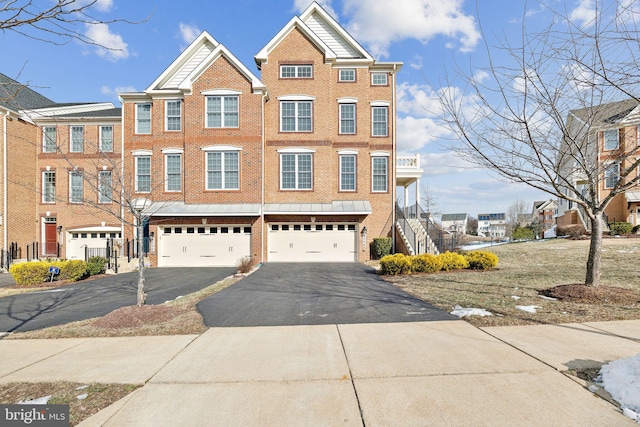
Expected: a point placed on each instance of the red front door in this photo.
(50, 239)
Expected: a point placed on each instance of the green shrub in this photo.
(71, 270)
(381, 246)
(426, 263)
(522, 233)
(620, 228)
(481, 260)
(395, 264)
(453, 261)
(635, 229)
(96, 265)
(30, 273)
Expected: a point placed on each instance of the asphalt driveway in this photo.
(314, 294)
(97, 297)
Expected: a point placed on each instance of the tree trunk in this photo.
(595, 252)
(141, 295)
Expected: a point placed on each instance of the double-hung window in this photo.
(296, 71)
(75, 187)
(106, 139)
(347, 118)
(173, 110)
(611, 139)
(222, 111)
(223, 170)
(296, 171)
(173, 171)
(76, 139)
(296, 116)
(379, 174)
(105, 187)
(611, 175)
(379, 121)
(347, 172)
(48, 187)
(49, 139)
(143, 173)
(143, 118)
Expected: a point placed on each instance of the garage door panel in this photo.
(203, 249)
(329, 244)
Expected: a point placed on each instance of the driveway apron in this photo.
(280, 294)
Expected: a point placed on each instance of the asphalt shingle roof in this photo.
(16, 96)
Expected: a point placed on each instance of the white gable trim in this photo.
(200, 41)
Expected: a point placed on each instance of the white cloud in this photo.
(104, 5)
(416, 64)
(108, 90)
(584, 14)
(444, 164)
(109, 45)
(378, 25)
(188, 33)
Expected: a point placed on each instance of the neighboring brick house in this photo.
(612, 140)
(298, 165)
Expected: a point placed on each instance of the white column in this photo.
(406, 199)
(417, 192)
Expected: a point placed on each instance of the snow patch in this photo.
(39, 401)
(548, 298)
(462, 312)
(82, 396)
(515, 297)
(620, 379)
(528, 308)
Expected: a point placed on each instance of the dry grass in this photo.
(99, 396)
(177, 317)
(523, 271)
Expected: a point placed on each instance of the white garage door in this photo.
(203, 246)
(312, 242)
(94, 238)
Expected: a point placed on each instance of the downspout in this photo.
(393, 164)
(122, 177)
(262, 178)
(5, 206)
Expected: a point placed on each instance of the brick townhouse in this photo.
(296, 165)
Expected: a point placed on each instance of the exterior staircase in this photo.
(413, 234)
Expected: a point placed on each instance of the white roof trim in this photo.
(380, 103)
(296, 150)
(142, 152)
(219, 51)
(380, 154)
(220, 92)
(172, 150)
(295, 22)
(347, 100)
(221, 148)
(296, 98)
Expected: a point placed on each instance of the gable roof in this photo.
(16, 96)
(194, 60)
(606, 115)
(326, 34)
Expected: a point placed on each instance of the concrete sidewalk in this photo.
(428, 373)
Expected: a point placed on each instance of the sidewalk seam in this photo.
(48, 357)
(353, 384)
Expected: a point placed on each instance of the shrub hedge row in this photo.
(36, 272)
(447, 261)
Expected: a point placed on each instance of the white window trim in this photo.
(167, 153)
(340, 79)
(113, 139)
(380, 103)
(604, 139)
(607, 166)
(346, 152)
(142, 152)
(221, 148)
(100, 175)
(386, 190)
(296, 150)
(386, 134)
(296, 171)
(137, 130)
(172, 151)
(380, 73)
(166, 115)
(44, 139)
(355, 171)
(355, 120)
(71, 173)
(44, 193)
(222, 94)
(347, 100)
(135, 166)
(297, 71)
(297, 117)
(71, 142)
(223, 186)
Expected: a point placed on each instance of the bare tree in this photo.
(514, 214)
(429, 201)
(56, 22)
(519, 121)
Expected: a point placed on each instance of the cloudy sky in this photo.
(433, 38)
